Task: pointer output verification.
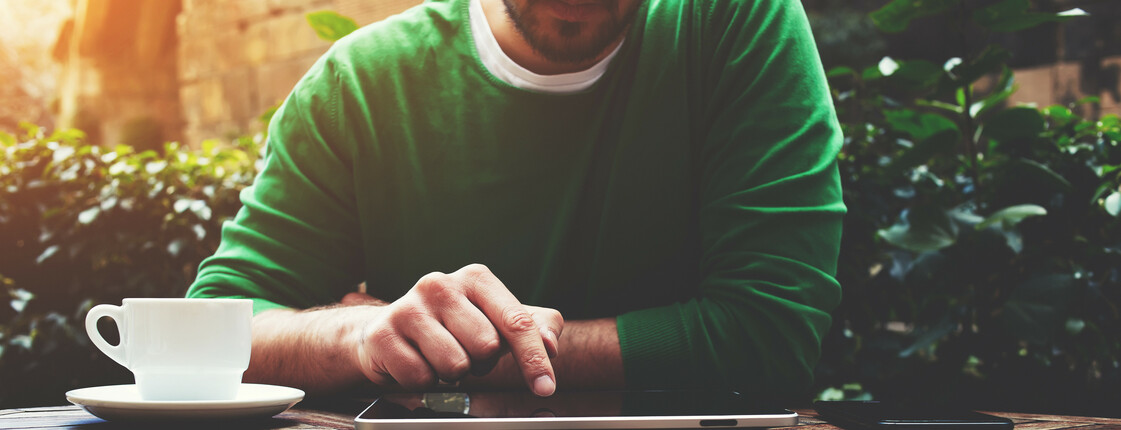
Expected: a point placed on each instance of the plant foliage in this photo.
(331, 26)
(981, 258)
(82, 225)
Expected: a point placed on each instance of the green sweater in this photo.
(692, 191)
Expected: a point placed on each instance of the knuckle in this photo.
(490, 347)
(476, 269)
(382, 337)
(555, 316)
(485, 347)
(406, 314)
(518, 319)
(440, 289)
(458, 369)
(431, 280)
(442, 294)
(534, 360)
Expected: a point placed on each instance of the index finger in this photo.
(515, 324)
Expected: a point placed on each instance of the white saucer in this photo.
(123, 403)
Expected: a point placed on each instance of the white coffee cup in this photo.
(179, 349)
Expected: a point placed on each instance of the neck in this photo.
(518, 48)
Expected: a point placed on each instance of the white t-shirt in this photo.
(501, 66)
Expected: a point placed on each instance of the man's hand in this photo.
(445, 324)
(449, 325)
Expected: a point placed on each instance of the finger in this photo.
(372, 369)
(439, 348)
(380, 348)
(551, 324)
(485, 366)
(406, 366)
(515, 324)
(444, 296)
(473, 330)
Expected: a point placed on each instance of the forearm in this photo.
(312, 349)
(588, 358)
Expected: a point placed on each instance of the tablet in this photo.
(570, 410)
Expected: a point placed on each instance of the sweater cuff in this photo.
(259, 304)
(655, 348)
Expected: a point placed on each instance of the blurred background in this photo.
(188, 70)
(982, 253)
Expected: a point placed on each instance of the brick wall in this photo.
(238, 58)
(1066, 83)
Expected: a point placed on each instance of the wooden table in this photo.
(311, 417)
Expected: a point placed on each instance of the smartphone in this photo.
(570, 410)
(883, 415)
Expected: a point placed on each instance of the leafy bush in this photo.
(82, 225)
(981, 261)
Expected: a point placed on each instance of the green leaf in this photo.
(1036, 309)
(1060, 115)
(201, 209)
(20, 297)
(176, 246)
(918, 74)
(831, 394)
(181, 205)
(266, 117)
(1112, 204)
(871, 73)
(989, 102)
(1075, 325)
(21, 341)
(1093, 100)
(949, 107)
(943, 142)
(330, 25)
(1038, 175)
(897, 15)
(922, 229)
(47, 253)
(837, 72)
(887, 66)
(930, 336)
(7, 139)
(87, 216)
(1010, 216)
(1015, 123)
(918, 125)
(1013, 15)
(991, 60)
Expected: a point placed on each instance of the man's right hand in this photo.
(449, 325)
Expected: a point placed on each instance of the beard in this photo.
(569, 42)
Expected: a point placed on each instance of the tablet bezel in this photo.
(783, 419)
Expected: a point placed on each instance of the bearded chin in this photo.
(571, 42)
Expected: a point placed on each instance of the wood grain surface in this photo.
(308, 418)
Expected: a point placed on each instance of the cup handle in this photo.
(117, 353)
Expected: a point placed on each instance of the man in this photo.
(661, 173)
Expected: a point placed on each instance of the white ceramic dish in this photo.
(123, 403)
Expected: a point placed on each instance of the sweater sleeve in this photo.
(294, 241)
(770, 216)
